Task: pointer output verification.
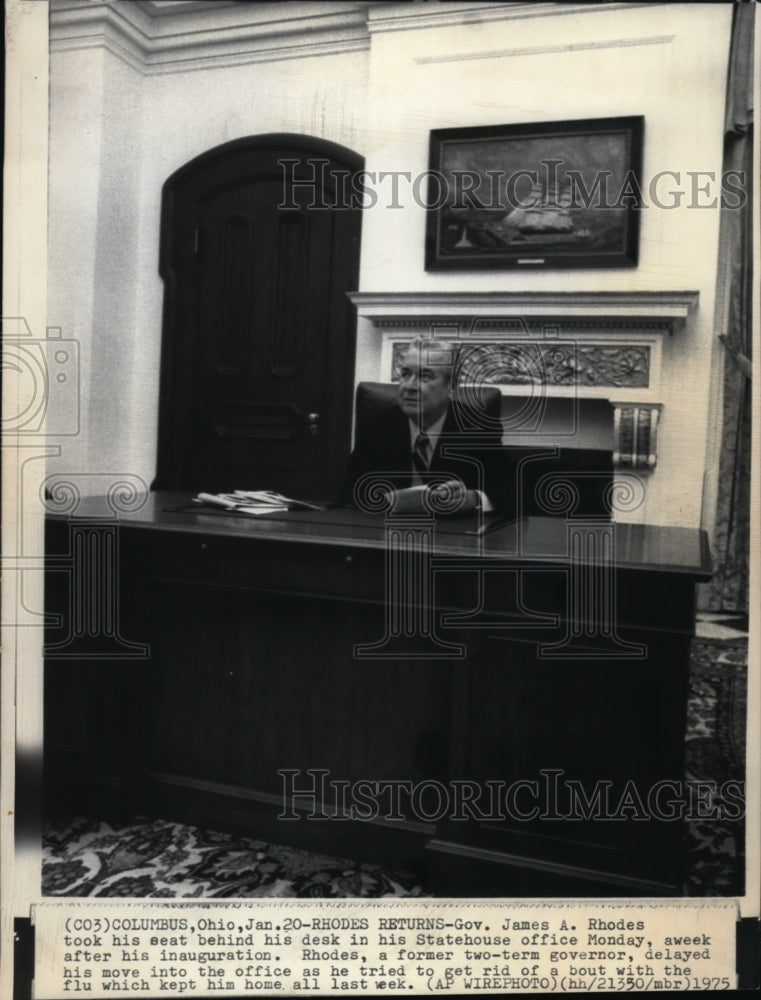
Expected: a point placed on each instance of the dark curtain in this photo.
(728, 591)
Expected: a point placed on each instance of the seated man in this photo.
(423, 439)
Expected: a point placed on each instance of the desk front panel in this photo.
(254, 669)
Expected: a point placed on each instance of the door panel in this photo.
(258, 354)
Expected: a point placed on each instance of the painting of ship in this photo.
(540, 194)
(545, 213)
(543, 216)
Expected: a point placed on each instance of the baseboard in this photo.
(456, 869)
(250, 812)
(446, 867)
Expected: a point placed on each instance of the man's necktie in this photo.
(421, 453)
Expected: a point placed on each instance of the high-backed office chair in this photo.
(476, 411)
(536, 479)
(469, 447)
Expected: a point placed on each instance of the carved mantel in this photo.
(603, 345)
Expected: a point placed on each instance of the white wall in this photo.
(117, 133)
(666, 62)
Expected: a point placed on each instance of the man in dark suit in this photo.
(428, 439)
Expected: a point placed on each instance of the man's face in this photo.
(424, 385)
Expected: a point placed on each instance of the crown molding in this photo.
(170, 8)
(187, 35)
(170, 36)
(412, 16)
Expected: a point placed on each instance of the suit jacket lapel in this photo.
(400, 444)
(448, 436)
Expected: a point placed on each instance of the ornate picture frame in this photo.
(546, 195)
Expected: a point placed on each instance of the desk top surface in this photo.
(532, 540)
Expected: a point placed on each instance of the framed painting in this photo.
(543, 195)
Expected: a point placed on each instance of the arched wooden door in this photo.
(257, 256)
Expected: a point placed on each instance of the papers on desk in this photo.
(254, 502)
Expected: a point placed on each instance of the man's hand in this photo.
(450, 497)
(408, 501)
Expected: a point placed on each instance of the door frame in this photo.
(177, 253)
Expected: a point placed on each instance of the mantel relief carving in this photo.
(553, 364)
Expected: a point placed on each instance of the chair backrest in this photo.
(542, 462)
(472, 406)
(373, 398)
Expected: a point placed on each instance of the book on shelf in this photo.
(254, 502)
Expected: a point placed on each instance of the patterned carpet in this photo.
(161, 859)
(715, 751)
(155, 858)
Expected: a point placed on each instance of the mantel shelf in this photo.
(666, 310)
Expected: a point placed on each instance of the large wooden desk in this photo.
(306, 642)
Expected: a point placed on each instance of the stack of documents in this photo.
(252, 502)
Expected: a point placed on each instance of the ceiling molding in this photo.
(175, 37)
(413, 16)
(170, 36)
(170, 8)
